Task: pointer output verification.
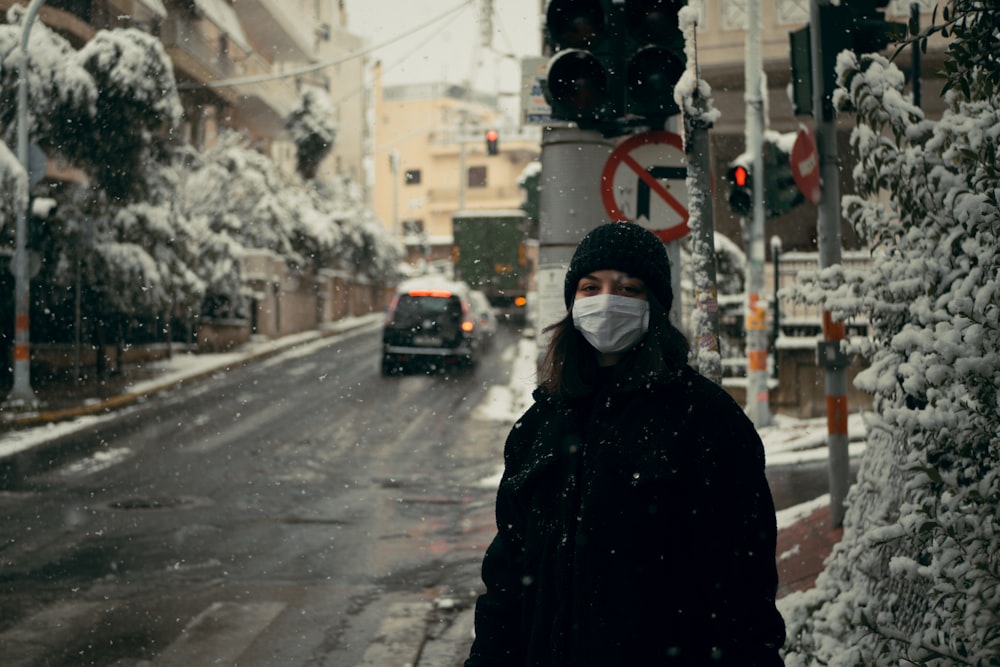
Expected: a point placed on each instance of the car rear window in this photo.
(417, 307)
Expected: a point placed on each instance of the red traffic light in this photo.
(492, 142)
(741, 177)
(741, 200)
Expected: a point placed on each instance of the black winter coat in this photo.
(635, 527)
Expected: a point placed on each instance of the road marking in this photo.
(223, 631)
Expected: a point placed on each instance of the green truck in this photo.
(489, 255)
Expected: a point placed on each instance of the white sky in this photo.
(450, 49)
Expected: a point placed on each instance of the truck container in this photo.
(489, 255)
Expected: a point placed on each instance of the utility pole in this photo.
(706, 293)
(21, 394)
(755, 308)
(830, 353)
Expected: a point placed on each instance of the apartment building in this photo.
(241, 64)
(431, 160)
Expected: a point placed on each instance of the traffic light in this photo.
(855, 25)
(740, 188)
(781, 193)
(613, 58)
(492, 142)
(584, 75)
(869, 31)
(655, 57)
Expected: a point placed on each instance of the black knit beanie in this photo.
(622, 246)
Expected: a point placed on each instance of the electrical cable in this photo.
(306, 69)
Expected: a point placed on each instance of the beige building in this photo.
(431, 160)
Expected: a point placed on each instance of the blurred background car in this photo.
(430, 324)
(485, 316)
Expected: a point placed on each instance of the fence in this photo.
(798, 383)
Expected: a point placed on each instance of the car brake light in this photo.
(441, 294)
(520, 301)
(468, 326)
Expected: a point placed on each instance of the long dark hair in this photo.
(570, 368)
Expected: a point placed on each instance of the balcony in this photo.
(285, 35)
(200, 58)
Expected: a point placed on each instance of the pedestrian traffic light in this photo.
(584, 75)
(781, 193)
(740, 189)
(655, 57)
(492, 142)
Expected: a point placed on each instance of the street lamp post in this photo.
(21, 393)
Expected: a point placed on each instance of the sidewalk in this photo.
(805, 539)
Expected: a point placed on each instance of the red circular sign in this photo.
(645, 181)
(805, 165)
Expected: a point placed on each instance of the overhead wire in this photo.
(306, 69)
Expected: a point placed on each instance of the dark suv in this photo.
(429, 322)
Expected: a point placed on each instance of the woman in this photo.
(635, 525)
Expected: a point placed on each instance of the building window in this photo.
(413, 227)
(477, 177)
(412, 177)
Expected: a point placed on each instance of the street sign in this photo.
(534, 109)
(804, 161)
(645, 181)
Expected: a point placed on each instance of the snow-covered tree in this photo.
(103, 107)
(13, 180)
(61, 94)
(137, 104)
(916, 576)
(161, 228)
(313, 128)
(240, 200)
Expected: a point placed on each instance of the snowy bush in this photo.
(916, 577)
(313, 129)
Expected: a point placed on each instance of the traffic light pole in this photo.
(755, 319)
(21, 393)
(569, 206)
(830, 354)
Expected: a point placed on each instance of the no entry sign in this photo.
(645, 181)
(805, 165)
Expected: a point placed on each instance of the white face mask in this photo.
(611, 323)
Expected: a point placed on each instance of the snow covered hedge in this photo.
(916, 577)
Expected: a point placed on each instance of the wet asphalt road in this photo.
(301, 510)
